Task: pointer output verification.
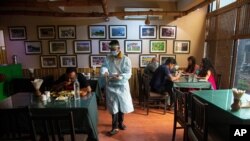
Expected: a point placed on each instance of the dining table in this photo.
(85, 113)
(187, 82)
(220, 115)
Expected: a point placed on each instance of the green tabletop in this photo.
(183, 82)
(84, 110)
(223, 100)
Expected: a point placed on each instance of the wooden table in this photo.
(84, 110)
(220, 116)
(183, 82)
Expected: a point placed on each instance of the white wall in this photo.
(190, 27)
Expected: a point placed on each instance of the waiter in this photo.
(117, 68)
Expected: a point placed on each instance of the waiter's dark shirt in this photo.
(81, 79)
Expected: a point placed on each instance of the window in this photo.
(242, 67)
(225, 2)
(212, 6)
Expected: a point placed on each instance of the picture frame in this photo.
(46, 32)
(167, 32)
(158, 46)
(68, 61)
(97, 31)
(17, 33)
(33, 47)
(148, 31)
(57, 47)
(48, 61)
(182, 46)
(82, 46)
(104, 46)
(96, 60)
(164, 57)
(145, 59)
(133, 46)
(118, 31)
(67, 32)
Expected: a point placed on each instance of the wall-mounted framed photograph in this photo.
(117, 31)
(66, 31)
(33, 47)
(49, 61)
(82, 46)
(17, 33)
(167, 32)
(158, 46)
(145, 59)
(57, 47)
(46, 32)
(164, 57)
(182, 46)
(133, 46)
(68, 61)
(96, 60)
(97, 31)
(148, 31)
(104, 46)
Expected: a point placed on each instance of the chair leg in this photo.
(174, 131)
(165, 105)
(147, 107)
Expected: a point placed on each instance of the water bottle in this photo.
(76, 90)
(14, 59)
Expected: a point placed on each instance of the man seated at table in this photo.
(66, 81)
(151, 67)
(162, 80)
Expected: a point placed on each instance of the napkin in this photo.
(37, 83)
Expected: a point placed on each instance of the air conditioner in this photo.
(142, 17)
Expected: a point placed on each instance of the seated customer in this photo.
(207, 72)
(192, 66)
(151, 67)
(66, 81)
(162, 80)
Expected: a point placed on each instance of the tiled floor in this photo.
(140, 127)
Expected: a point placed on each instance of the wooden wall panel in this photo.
(3, 56)
(244, 23)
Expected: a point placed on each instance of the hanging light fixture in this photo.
(147, 21)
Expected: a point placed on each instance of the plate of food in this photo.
(61, 98)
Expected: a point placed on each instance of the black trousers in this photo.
(117, 119)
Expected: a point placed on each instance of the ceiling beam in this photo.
(46, 4)
(93, 14)
(200, 5)
(105, 7)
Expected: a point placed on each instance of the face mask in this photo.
(114, 53)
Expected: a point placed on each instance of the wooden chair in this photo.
(180, 112)
(152, 97)
(218, 81)
(197, 131)
(51, 126)
(11, 124)
(140, 86)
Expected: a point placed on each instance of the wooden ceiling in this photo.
(91, 8)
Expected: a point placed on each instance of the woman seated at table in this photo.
(192, 66)
(207, 72)
(66, 81)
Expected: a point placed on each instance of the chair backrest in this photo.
(199, 119)
(12, 124)
(218, 81)
(140, 86)
(180, 110)
(146, 85)
(52, 126)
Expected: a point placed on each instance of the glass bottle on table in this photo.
(76, 89)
